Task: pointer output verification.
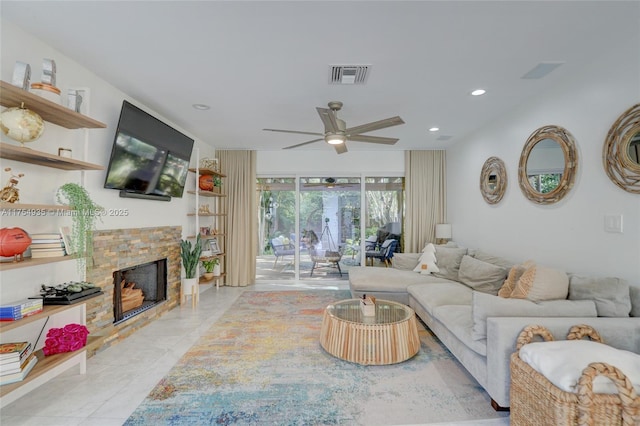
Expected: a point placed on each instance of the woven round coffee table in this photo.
(388, 337)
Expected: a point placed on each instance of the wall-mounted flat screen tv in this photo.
(148, 157)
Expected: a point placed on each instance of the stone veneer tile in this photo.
(121, 248)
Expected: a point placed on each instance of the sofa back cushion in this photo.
(540, 283)
(491, 258)
(448, 260)
(610, 294)
(486, 305)
(481, 276)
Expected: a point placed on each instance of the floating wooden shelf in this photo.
(208, 237)
(12, 96)
(202, 280)
(207, 193)
(213, 256)
(44, 364)
(208, 172)
(28, 262)
(47, 311)
(28, 155)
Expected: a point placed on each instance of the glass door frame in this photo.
(296, 176)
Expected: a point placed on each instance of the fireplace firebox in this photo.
(138, 288)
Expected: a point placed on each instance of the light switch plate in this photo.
(613, 223)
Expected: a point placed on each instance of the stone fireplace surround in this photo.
(117, 249)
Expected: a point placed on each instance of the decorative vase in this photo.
(216, 270)
(208, 275)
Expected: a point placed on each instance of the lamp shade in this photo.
(443, 230)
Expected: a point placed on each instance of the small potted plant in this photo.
(190, 254)
(217, 184)
(211, 266)
(85, 214)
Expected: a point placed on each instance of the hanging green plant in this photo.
(84, 215)
(190, 254)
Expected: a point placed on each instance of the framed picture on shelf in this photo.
(213, 246)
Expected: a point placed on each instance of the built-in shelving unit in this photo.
(216, 218)
(47, 367)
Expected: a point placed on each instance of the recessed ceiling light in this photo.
(434, 129)
(478, 92)
(201, 107)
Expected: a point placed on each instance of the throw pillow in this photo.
(562, 362)
(512, 279)
(427, 264)
(541, 283)
(448, 260)
(486, 305)
(481, 276)
(634, 292)
(611, 295)
(490, 258)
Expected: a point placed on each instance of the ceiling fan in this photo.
(336, 132)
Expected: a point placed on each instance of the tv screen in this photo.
(148, 156)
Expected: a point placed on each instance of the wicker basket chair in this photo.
(537, 401)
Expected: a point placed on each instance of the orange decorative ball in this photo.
(206, 182)
(13, 241)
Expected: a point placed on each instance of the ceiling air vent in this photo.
(444, 138)
(348, 74)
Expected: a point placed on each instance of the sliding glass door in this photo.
(310, 228)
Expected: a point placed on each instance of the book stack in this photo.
(47, 245)
(20, 309)
(16, 361)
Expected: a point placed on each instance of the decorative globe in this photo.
(21, 124)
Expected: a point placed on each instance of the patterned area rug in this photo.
(261, 363)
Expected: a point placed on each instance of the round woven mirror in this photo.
(493, 180)
(548, 165)
(621, 153)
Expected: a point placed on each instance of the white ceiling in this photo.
(265, 64)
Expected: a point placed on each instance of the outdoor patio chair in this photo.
(384, 254)
(280, 249)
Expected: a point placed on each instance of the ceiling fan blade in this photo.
(376, 125)
(341, 148)
(329, 120)
(294, 131)
(301, 144)
(373, 139)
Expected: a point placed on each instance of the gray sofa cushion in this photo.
(610, 294)
(405, 261)
(481, 276)
(458, 320)
(438, 294)
(486, 305)
(495, 260)
(448, 260)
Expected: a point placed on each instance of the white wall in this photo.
(327, 163)
(570, 234)
(39, 183)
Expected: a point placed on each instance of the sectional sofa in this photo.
(460, 304)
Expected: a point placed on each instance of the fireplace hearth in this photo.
(138, 288)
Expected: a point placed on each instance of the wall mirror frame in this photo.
(493, 180)
(620, 155)
(567, 145)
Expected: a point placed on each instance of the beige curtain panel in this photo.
(240, 190)
(426, 197)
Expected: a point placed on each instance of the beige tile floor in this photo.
(120, 377)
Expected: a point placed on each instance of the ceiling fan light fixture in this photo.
(335, 139)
